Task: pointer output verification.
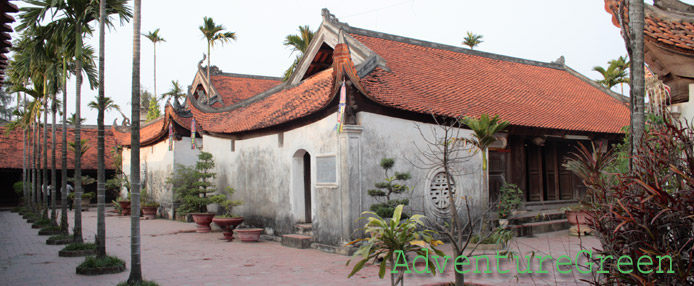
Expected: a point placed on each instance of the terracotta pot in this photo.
(85, 204)
(579, 217)
(248, 234)
(228, 224)
(124, 207)
(149, 212)
(203, 221)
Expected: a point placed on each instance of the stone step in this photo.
(532, 228)
(537, 216)
(296, 241)
(304, 229)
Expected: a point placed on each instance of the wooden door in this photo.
(497, 173)
(534, 159)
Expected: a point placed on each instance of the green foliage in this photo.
(142, 283)
(85, 196)
(106, 261)
(616, 72)
(153, 109)
(147, 200)
(18, 188)
(43, 222)
(61, 237)
(299, 44)
(509, 199)
(229, 204)
(80, 246)
(485, 129)
(387, 188)
(191, 185)
(386, 236)
(51, 228)
(472, 40)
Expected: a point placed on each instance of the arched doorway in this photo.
(301, 186)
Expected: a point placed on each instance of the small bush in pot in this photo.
(228, 220)
(193, 188)
(509, 200)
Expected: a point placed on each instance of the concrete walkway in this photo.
(173, 257)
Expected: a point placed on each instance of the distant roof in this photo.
(234, 88)
(272, 107)
(158, 129)
(11, 148)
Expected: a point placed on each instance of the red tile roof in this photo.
(265, 110)
(234, 88)
(453, 82)
(156, 130)
(663, 27)
(11, 148)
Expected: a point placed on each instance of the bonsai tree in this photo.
(147, 199)
(228, 204)
(509, 200)
(192, 186)
(386, 189)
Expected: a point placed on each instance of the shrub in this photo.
(18, 188)
(388, 188)
(192, 186)
(80, 246)
(649, 211)
(106, 261)
(509, 199)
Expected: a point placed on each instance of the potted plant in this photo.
(579, 218)
(192, 187)
(509, 200)
(149, 207)
(115, 185)
(228, 221)
(86, 198)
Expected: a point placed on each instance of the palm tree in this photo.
(635, 48)
(214, 33)
(73, 15)
(101, 172)
(135, 257)
(175, 93)
(154, 37)
(484, 130)
(472, 40)
(299, 44)
(614, 74)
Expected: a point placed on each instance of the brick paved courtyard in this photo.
(173, 257)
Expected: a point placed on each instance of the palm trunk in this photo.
(209, 57)
(636, 52)
(63, 159)
(135, 256)
(25, 183)
(155, 69)
(78, 144)
(44, 186)
(101, 178)
(36, 166)
(54, 219)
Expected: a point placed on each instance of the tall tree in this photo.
(153, 110)
(635, 49)
(155, 38)
(75, 15)
(614, 74)
(214, 33)
(299, 44)
(101, 172)
(135, 255)
(175, 93)
(472, 40)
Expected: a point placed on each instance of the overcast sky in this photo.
(581, 31)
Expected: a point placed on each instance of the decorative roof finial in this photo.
(560, 60)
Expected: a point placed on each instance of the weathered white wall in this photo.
(261, 172)
(156, 165)
(687, 108)
(388, 137)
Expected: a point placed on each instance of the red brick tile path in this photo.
(171, 257)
